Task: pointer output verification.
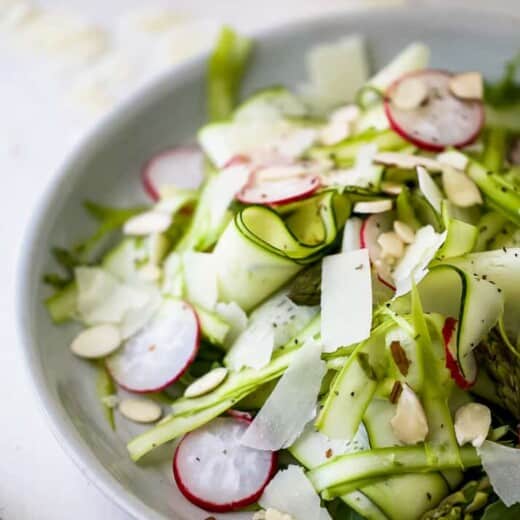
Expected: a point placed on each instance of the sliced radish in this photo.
(239, 414)
(441, 120)
(214, 471)
(279, 191)
(371, 230)
(159, 353)
(181, 167)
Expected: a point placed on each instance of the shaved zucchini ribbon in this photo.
(261, 249)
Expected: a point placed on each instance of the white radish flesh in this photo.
(96, 342)
(159, 353)
(181, 167)
(140, 410)
(279, 191)
(442, 120)
(214, 471)
(206, 383)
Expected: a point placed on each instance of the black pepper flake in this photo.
(359, 267)
(504, 249)
(429, 496)
(352, 394)
(336, 392)
(197, 459)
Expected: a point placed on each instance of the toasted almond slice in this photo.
(410, 94)
(140, 410)
(460, 189)
(373, 206)
(472, 423)
(407, 161)
(409, 423)
(404, 232)
(347, 114)
(147, 223)
(453, 158)
(391, 244)
(391, 188)
(468, 85)
(334, 132)
(207, 382)
(96, 342)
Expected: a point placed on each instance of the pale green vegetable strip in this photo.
(488, 226)
(441, 444)
(104, 388)
(495, 149)
(225, 70)
(380, 462)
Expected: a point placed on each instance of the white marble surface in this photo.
(39, 124)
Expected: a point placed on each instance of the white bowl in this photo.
(105, 168)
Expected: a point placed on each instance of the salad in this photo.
(321, 306)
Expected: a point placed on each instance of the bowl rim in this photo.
(60, 425)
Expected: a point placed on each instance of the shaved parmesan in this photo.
(271, 325)
(502, 464)
(429, 189)
(413, 265)
(103, 299)
(336, 71)
(351, 235)
(224, 188)
(346, 299)
(235, 317)
(291, 405)
(291, 492)
(200, 276)
(413, 57)
(135, 318)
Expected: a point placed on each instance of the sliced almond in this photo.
(277, 173)
(410, 94)
(472, 423)
(460, 189)
(455, 159)
(468, 85)
(409, 423)
(140, 410)
(404, 232)
(347, 114)
(207, 382)
(147, 223)
(334, 132)
(96, 342)
(391, 188)
(391, 244)
(373, 206)
(407, 161)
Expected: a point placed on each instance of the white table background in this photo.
(37, 127)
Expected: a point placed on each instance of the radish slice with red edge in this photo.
(441, 120)
(217, 473)
(181, 167)
(279, 191)
(239, 414)
(371, 228)
(159, 353)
